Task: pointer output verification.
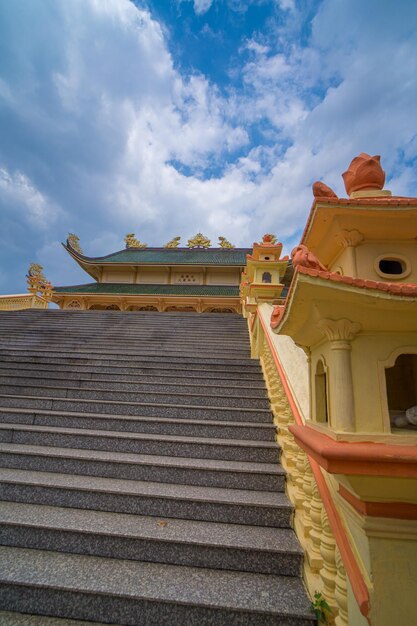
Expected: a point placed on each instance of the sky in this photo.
(169, 117)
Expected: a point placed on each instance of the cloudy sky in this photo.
(168, 117)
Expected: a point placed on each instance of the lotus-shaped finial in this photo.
(365, 172)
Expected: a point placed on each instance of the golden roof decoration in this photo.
(224, 243)
(199, 241)
(174, 243)
(74, 242)
(132, 242)
(37, 283)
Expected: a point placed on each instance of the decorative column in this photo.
(349, 239)
(340, 333)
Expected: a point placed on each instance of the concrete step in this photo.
(142, 409)
(152, 594)
(145, 467)
(191, 397)
(141, 443)
(132, 369)
(137, 424)
(141, 538)
(125, 383)
(211, 504)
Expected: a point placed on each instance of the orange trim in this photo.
(367, 458)
(397, 510)
(359, 588)
(396, 289)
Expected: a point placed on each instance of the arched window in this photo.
(321, 393)
(266, 277)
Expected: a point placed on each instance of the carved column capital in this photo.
(338, 330)
(346, 238)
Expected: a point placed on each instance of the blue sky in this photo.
(167, 117)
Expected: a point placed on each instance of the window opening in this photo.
(321, 394)
(401, 380)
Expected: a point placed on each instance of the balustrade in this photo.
(323, 566)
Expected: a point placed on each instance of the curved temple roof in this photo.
(168, 256)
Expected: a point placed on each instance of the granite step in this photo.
(139, 424)
(105, 345)
(145, 467)
(211, 504)
(146, 357)
(140, 538)
(141, 443)
(138, 593)
(99, 369)
(239, 341)
(191, 397)
(127, 355)
(142, 409)
(124, 383)
(12, 618)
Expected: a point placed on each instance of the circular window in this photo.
(393, 267)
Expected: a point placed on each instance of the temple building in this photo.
(172, 278)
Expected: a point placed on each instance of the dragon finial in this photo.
(132, 242)
(74, 242)
(37, 283)
(174, 243)
(224, 243)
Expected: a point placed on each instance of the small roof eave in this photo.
(312, 298)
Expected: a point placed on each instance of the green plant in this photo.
(321, 608)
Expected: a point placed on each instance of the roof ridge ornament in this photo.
(174, 243)
(37, 283)
(224, 243)
(132, 242)
(364, 173)
(199, 241)
(73, 241)
(269, 240)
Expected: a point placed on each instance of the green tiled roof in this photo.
(151, 290)
(174, 256)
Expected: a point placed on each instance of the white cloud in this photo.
(20, 196)
(202, 6)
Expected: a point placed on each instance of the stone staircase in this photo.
(140, 481)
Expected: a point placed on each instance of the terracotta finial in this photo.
(276, 315)
(301, 255)
(364, 172)
(269, 239)
(321, 190)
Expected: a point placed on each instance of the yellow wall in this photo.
(362, 260)
(120, 276)
(223, 276)
(151, 276)
(370, 355)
